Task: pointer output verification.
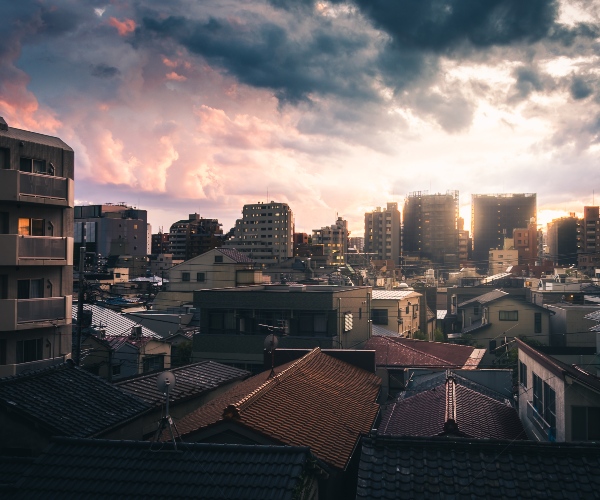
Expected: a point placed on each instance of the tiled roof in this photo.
(393, 294)
(236, 255)
(190, 381)
(26, 135)
(11, 469)
(316, 401)
(379, 330)
(114, 323)
(392, 468)
(68, 401)
(403, 352)
(452, 408)
(93, 468)
(485, 298)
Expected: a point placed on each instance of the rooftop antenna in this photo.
(270, 344)
(165, 383)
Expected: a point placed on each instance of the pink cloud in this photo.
(176, 77)
(123, 27)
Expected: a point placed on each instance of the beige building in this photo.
(334, 239)
(383, 233)
(36, 250)
(500, 260)
(396, 310)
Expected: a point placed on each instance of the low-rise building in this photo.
(397, 310)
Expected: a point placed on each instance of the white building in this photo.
(265, 233)
(383, 233)
(334, 239)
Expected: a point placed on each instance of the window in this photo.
(544, 401)
(30, 289)
(201, 277)
(185, 276)
(4, 158)
(523, 373)
(154, 363)
(585, 423)
(116, 370)
(476, 309)
(538, 402)
(218, 259)
(550, 406)
(2, 351)
(537, 323)
(29, 350)
(379, 316)
(3, 286)
(508, 315)
(31, 165)
(31, 227)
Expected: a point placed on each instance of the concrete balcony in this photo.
(16, 250)
(24, 314)
(36, 188)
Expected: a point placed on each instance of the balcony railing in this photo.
(16, 250)
(539, 423)
(46, 186)
(41, 247)
(37, 188)
(23, 314)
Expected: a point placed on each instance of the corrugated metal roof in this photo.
(441, 313)
(393, 294)
(114, 323)
(485, 298)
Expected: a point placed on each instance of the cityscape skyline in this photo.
(334, 108)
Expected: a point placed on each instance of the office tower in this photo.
(494, 217)
(588, 240)
(383, 233)
(194, 236)
(561, 239)
(334, 239)
(36, 250)
(265, 233)
(430, 226)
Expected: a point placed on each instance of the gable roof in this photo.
(403, 352)
(69, 401)
(115, 324)
(394, 294)
(395, 467)
(92, 468)
(452, 406)
(316, 401)
(485, 298)
(235, 255)
(190, 381)
(26, 135)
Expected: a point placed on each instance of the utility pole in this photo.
(77, 353)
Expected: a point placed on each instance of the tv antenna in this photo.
(165, 383)
(270, 344)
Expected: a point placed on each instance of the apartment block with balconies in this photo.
(36, 249)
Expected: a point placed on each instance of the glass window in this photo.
(379, 316)
(185, 276)
(508, 315)
(523, 373)
(537, 394)
(201, 277)
(4, 158)
(538, 323)
(585, 423)
(29, 350)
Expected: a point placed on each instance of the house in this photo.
(316, 401)
(235, 321)
(557, 401)
(570, 325)
(86, 468)
(36, 250)
(451, 467)
(397, 310)
(64, 400)
(495, 317)
(394, 355)
(451, 405)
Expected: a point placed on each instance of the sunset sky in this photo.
(186, 106)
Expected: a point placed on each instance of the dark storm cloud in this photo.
(580, 88)
(528, 80)
(104, 71)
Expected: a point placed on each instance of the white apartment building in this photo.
(334, 239)
(265, 233)
(383, 233)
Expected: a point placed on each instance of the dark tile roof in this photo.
(452, 407)
(403, 352)
(68, 401)
(316, 401)
(392, 468)
(190, 381)
(89, 468)
(236, 255)
(114, 323)
(26, 135)
(485, 298)
(11, 469)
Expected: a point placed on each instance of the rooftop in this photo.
(26, 135)
(113, 323)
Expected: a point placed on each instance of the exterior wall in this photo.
(265, 233)
(500, 260)
(562, 241)
(383, 233)
(194, 236)
(568, 326)
(334, 239)
(398, 319)
(588, 239)
(36, 252)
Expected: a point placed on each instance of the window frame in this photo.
(508, 315)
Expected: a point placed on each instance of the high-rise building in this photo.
(562, 240)
(160, 243)
(528, 242)
(464, 243)
(334, 239)
(430, 226)
(588, 240)
(494, 217)
(357, 242)
(265, 233)
(383, 232)
(36, 250)
(194, 236)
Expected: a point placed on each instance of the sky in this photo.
(335, 108)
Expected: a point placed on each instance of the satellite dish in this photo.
(165, 382)
(271, 342)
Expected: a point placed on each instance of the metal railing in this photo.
(43, 185)
(52, 308)
(42, 247)
(539, 423)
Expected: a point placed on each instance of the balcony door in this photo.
(31, 227)
(30, 289)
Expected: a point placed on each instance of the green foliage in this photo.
(438, 335)
(419, 335)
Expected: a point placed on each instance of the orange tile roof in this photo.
(316, 401)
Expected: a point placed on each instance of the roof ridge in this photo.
(234, 409)
(398, 340)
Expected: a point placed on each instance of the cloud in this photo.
(123, 27)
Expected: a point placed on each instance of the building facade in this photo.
(36, 250)
(588, 240)
(494, 217)
(265, 233)
(383, 233)
(430, 226)
(334, 239)
(561, 239)
(194, 236)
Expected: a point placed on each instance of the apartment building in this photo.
(588, 240)
(194, 236)
(36, 250)
(383, 232)
(334, 239)
(430, 226)
(528, 242)
(562, 240)
(265, 233)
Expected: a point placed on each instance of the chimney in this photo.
(3, 124)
